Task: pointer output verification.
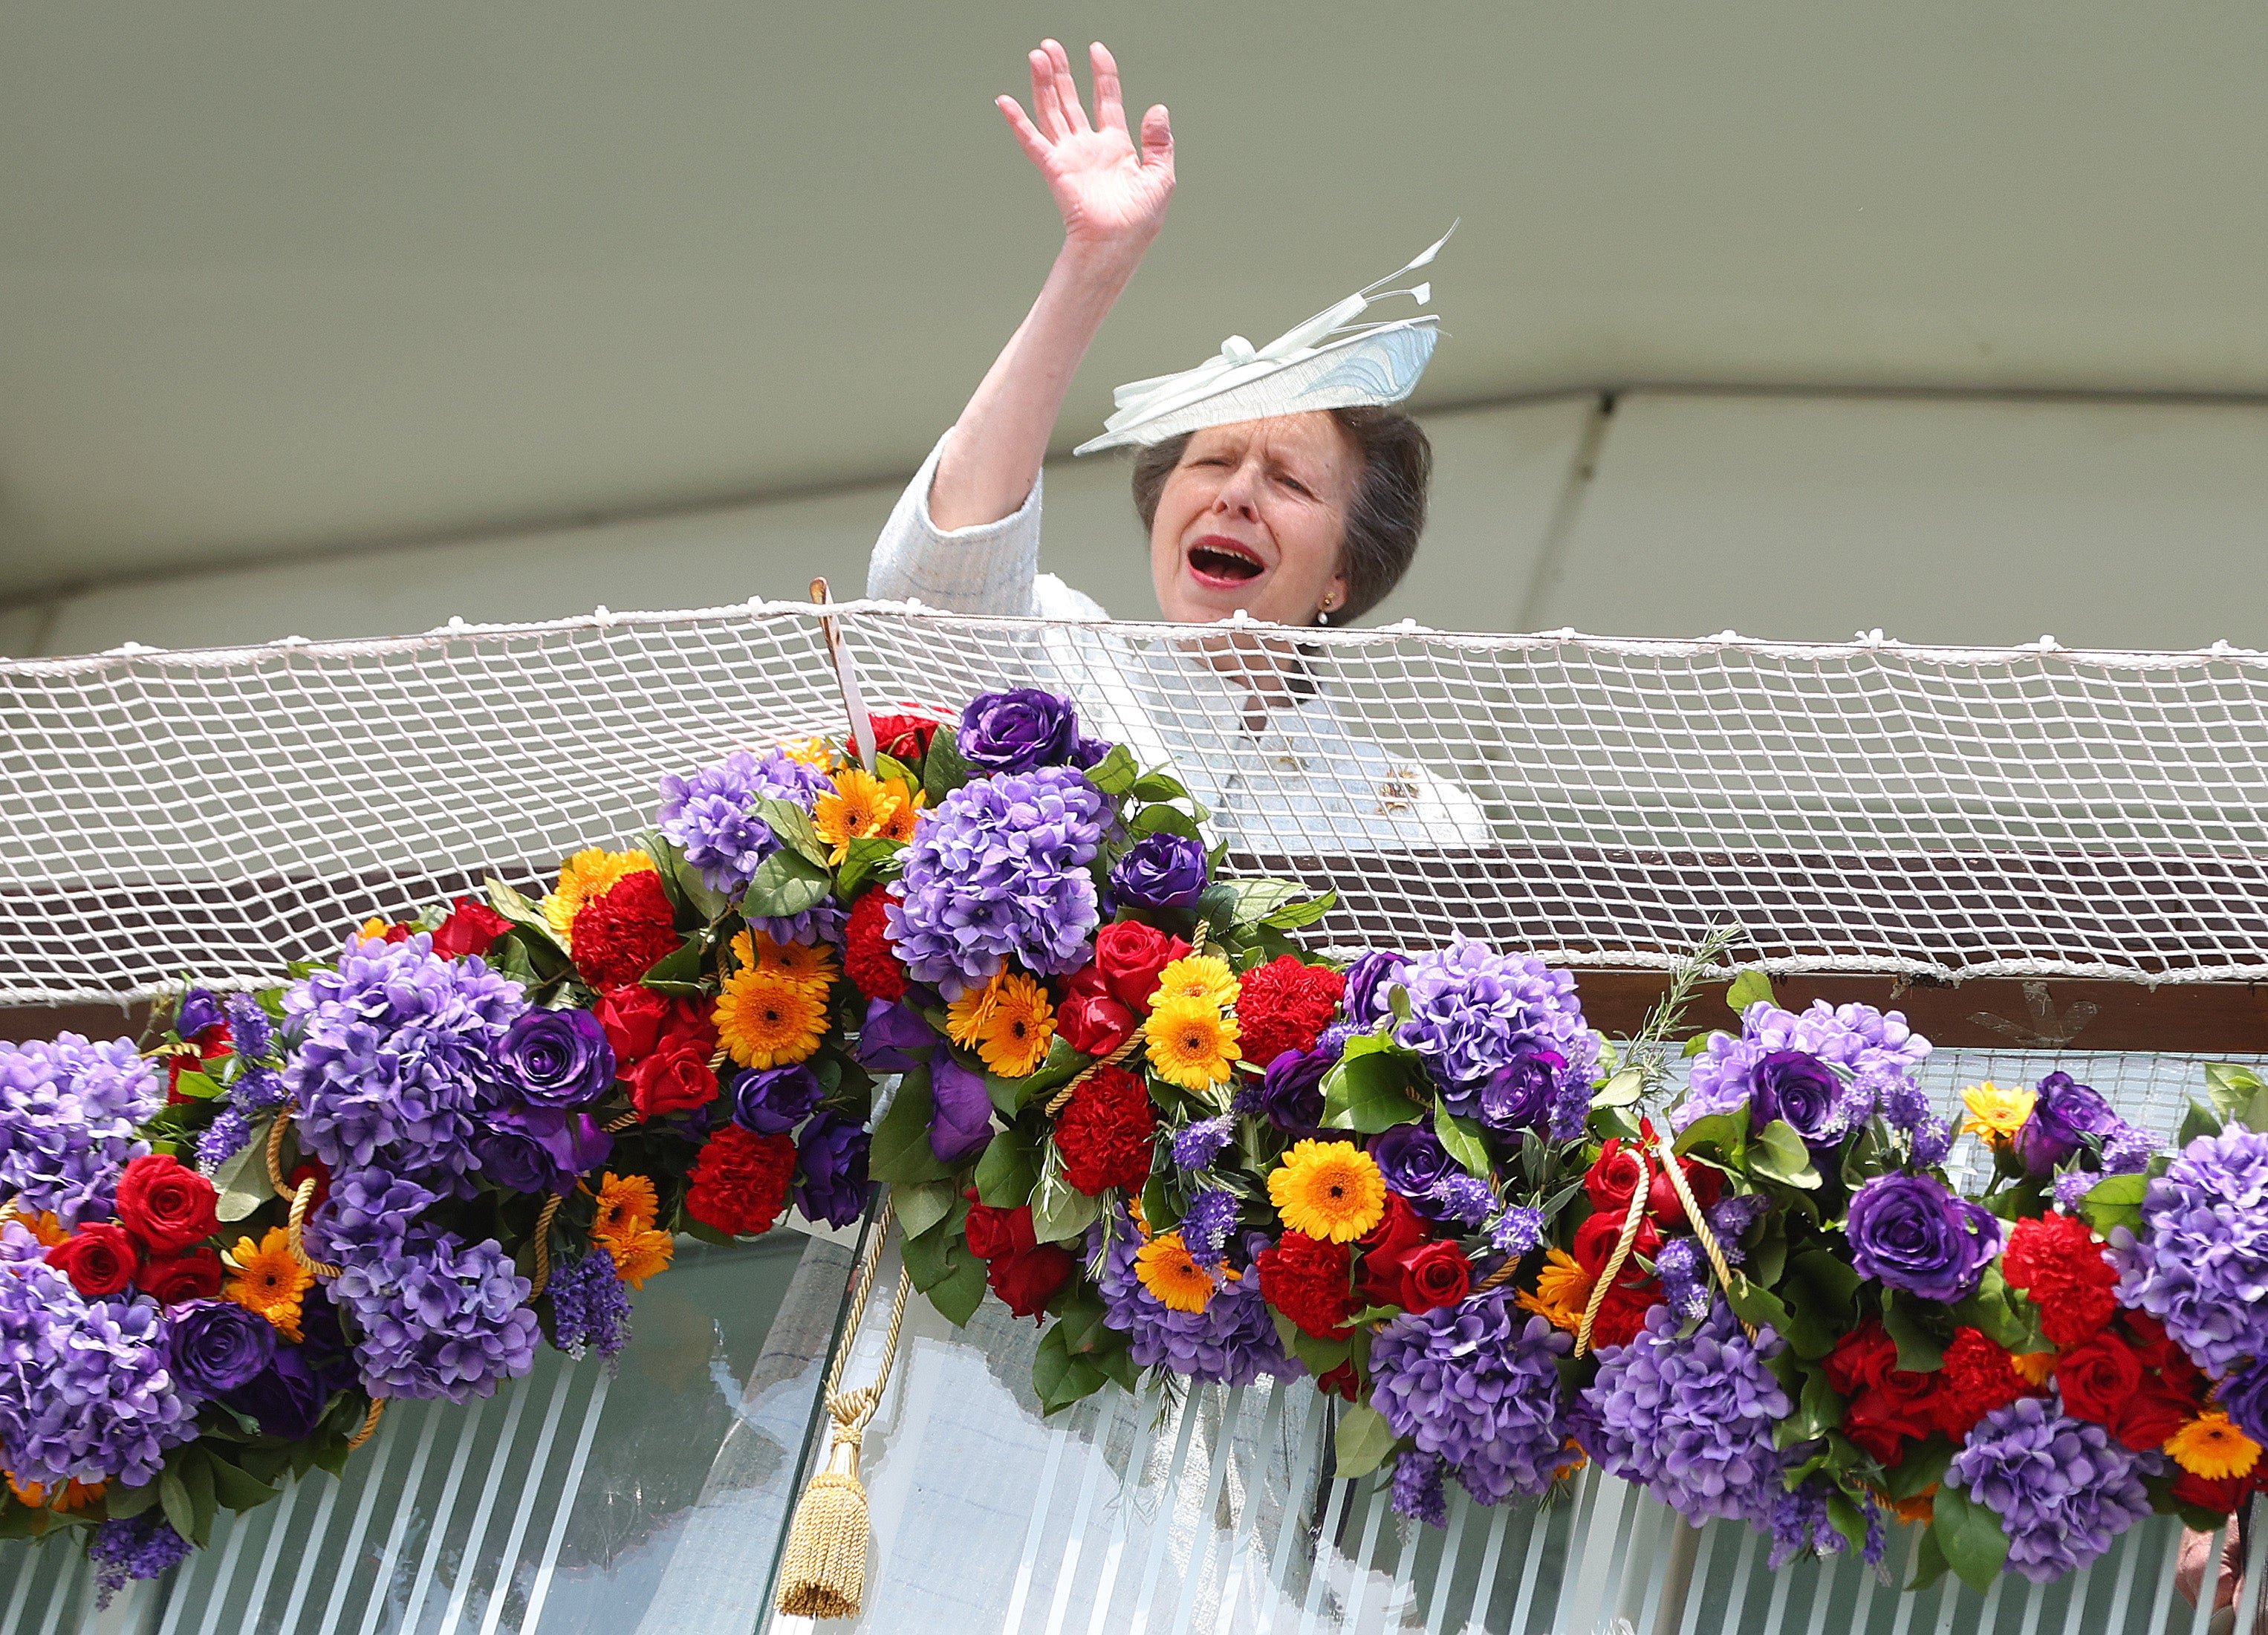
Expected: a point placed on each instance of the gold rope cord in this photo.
(1700, 1225)
(1614, 1267)
(275, 1151)
(369, 1424)
(823, 1569)
(1133, 1040)
(302, 1201)
(543, 1220)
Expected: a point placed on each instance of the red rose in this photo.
(1618, 1172)
(1340, 1381)
(1437, 1274)
(1305, 1278)
(1090, 1019)
(639, 1019)
(904, 737)
(621, 933)
(310, 1169)
(1622, 1315)
(993, 1232)
(1595, 1246)
(675, 1078)
(1976, 1378)
(2223, 1494)
(1864, 1357)
(470, 928)
(2098, 1378)
(165, 1206)
(193, 1276)
(1663, 1205)
(1129, 955)
(1881, 1423)
(1281, 1006)
(739, 1184)
(99, 1260)
(1400, 1229)
(1107, 1132)
(868, 959)
(1027, 1281)
(2150, 1415)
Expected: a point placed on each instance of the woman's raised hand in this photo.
(1111, 195)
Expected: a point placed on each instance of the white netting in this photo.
(1934, 812)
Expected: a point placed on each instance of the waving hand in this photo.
(1111, 194)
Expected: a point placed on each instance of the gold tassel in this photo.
(823, 1569)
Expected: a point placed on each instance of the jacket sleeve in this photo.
(989, 568)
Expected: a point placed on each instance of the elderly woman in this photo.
(1256, 504)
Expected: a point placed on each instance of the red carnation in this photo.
(469, 929)
(2057, 1261)
(165, 1206)
(1622, 1315)
(675, 1078)
(739, 1185)
(1090, 1019)
(1282, 1005)
(193, 1276)
(619, 933)
(99, 1260)
(1129, 955)
(1105, 1132)
(1305, 1278)
(903, 738)
(310, 1169)
(867, 955)
(1976, 1378)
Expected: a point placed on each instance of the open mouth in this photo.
(1220, 562)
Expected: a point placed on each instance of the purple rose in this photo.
(831, 1170)
(199, 1011)
(2243, 1397)
(2065, 1111)
(1291, 1094)
(218, 1345)
(1518, 1095)
(287, 1397)
(1161, 871)
(540, 1149)
(963, 1121)
(1413, 1160)
(772, 1100)
(1798, 1088)
(1369, 981)
(1017, 730)
(893, 1031)
(1913, 1234)
(559, 1058)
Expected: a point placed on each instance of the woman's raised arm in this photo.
(1113, 198)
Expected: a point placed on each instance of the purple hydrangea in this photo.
(1471, 1009)
(1478, 1384)
(1913, 1234)
(132, 1547)
(1232, 1342)
(1875, 1049)
(2129, 1150)
(2201, 1264)
(711, 816)
(443, 1318)
(367, 1216)
(1517, 1231)
(590, 1306)
(1206, 1223)
(223, 1138)
(67, 1111)
(250, 1029)
(1417, 1488)
(1692, 1421)
(2071, 1187)
(2243, 1397)
(87, 1388)
(1000, 870)
(1196, 1145)
(2062, 1487)
(397, 1058)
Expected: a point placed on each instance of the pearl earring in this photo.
(1322, 615)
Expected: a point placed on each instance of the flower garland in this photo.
(999, 972)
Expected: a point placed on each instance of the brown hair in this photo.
(1384, 518)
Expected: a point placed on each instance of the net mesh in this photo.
(1938, 813)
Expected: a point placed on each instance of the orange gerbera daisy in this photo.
(2211, 1446)
(809, 964)
(2034, 1366)
(1327, 1189)
(1009, 1021)
(856, 809)
(44, 1225)
(269, 1280)
(590, 873)
(1563, 1288)
(640, 1254)
(766, 1020)
(811, 751)
(76, 1495)
(899, 824)
(627, 1205)
(1168, 1271)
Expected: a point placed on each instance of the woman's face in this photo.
(1253, 517)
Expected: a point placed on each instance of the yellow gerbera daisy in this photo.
(1563, 1288)
(1166, 1268)
(590, 873)
(1190, 1043)
(967, 1017)
(640, 1254)
(627, 1205)
(811, 964)
(811, 751)
(2036, 1367)
(2211, 1446)
(45, 1225)
(1018, 1026)
(766, 1020)
(899, 824)
(269, 1280)
(1200, 976)
(1327, 1189)
(858, 806)
(1995, 1113)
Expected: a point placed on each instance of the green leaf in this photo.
(1757, 1305)
(1320, 1356)
(921, 1205)
(943, 769)
(2114, 1201)
(1969, 1535)
(520, 911)
(1292, 915)
(1060, 1210)
(1115, 773)
(1912, 1322)
(1698, 1043)
(1158, 786)
(1163, 820)
(1366, 1091)
(1727, 1132)
(1082, 1317)
(784, 883)
(174, 1494)
(1989, 1311)
(1364, 1440)
(1158, 1205)
(792, 824)
(2199, 1121)
(1462, 1138)
(678, 973)
(1929, 1561)
(196, 1470)
(1780, 1155)
(242, 1181)
(1062, 1065)
(237, 1490)
(190, 1082)
(962, 1292)
(1058, 1378)
(900, 1151)
(1820, 1408)
(129, 1501)
(937, 1254)
(1622, 1090)
(681, 879)
(1009, 1171)
(870, 856)
(1922, 1468)
(1745, 989)
(1818, 1290)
